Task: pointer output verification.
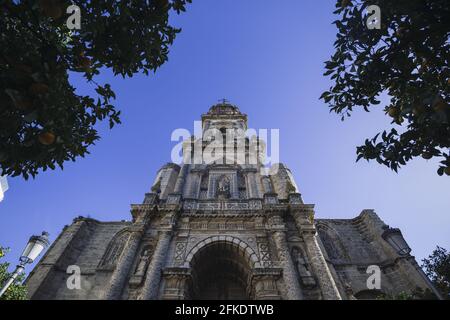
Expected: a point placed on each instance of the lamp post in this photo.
(395, 238)
(33, 249)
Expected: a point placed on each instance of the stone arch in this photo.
(114, 249)
(246, 248)
(332, 242)
(221, 267)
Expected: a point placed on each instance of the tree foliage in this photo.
(437, 268)
(17, 291)
(43, 121)
(417, 294)
(408, 59)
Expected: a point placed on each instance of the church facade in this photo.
(226, 231)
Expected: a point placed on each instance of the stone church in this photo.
(225, 231)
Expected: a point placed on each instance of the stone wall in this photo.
(83, 243)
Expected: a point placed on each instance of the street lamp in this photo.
(3, 186)
(395, 238)
(33, 249)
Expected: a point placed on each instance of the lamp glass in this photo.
(35, 251)
(34, 248)
(27, 249)
(395, 238)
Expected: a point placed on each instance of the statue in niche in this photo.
(223, 187)
(302, 268)
(144, 260)
(267, 185)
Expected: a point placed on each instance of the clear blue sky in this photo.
(266, 57)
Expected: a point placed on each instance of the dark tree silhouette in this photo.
(437, 268)
(407, 58)
(43, 121)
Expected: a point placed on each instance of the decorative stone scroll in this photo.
(180, 250)
(193, 205)
(264, 254)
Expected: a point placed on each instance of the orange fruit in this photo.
(38, 88)
(427, 155)
(393, 112)
(447, 171)
(440, 106)
(46, 138)
(85, 62)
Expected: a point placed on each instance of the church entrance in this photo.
(220, 270)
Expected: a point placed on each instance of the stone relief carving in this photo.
(204, 186)
(114, 250)
(142, 264)
(242, 188)
(223, 187)
(302, 267)
(255, 205)
(144, 260)
(267, 184)
(264, 254)
(180, 250)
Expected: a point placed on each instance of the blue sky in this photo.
(267, 58)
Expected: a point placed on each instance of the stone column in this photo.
(290, 277)
(190, 185)
(123, 266)
(177, 283)
(198, 175)
(212, 186)
(316, 259)
(252, 185)
(179, 184)
(264, 284)
(234, 187)
(153, 276)
(201, 175)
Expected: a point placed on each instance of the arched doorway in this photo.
(220, 270)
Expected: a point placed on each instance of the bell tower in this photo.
(218, 227)
(223, 229)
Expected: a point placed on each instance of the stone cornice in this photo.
(224, 214)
